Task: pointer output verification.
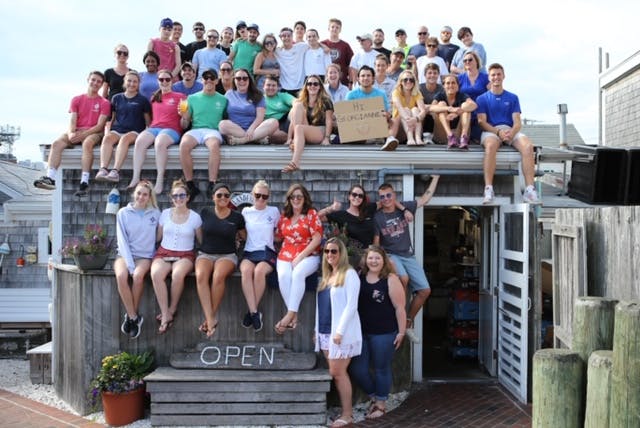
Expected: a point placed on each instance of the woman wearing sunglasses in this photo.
(311, 120)
(259, 258)
(246, 109)
(266, 63)
(381, 307)
(408, 109)
(114, 77)
(300, 231)
(338, 332)
(222, 228)
(225, 80)
(178, 229)
(165, 130)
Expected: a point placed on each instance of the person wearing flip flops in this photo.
(179, 227)
(300, 231)
(311, 120)
(217, 259)
(136, 226)
(338, 332)
(382, 314)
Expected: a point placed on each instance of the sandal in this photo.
(165, 326)
(291, 167)
(376, 412)
(159, 317)
(203, 327)
(341, 423)
(211, 331)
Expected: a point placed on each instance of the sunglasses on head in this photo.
(331, 251)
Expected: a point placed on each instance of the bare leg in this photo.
(222, 269)
(338, 370)
(163, 141)
(180, 270)
(491, 146)
(87, 151)
(213, 144)
(525, 147)
(159, 271)
(204, 269)
(143, 142)
(123, 149)
(106, 149)
(187, 144)
(417, 302)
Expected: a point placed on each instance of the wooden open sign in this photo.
(361, 119)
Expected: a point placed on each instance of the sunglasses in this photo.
(261, 196)
(313, 83)
(122, 53)
(467, 60)
(226, 69)
(386, 196)
(432, 46)
(269, 42)
(409, 79)
(330, 251)
(357, 195)
(223, 195)
(422, 33)
(164, 79)
(296, 197)
(198, 29)
(242, 78)
(208, 77)
(212, 37)
(178, 196)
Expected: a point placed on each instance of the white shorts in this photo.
(486, 135)
(203, 134)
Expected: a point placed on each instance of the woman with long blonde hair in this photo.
(408, 108)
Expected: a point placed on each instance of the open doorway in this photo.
(453, 259)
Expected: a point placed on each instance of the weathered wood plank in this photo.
(236, 408)
(234, 356)
(169, 374)
(218, 387)
(598, 389)
(237, 397)
(211, 420)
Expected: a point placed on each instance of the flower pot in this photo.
(91, 262)
(122, 408)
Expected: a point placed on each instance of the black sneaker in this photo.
(256, 320)
(135, 327)
(83, 191)
(126, 325)
(193, 190)
(210, 187)
(45, 182)
(247, 321)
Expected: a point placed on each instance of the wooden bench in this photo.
(40, 363)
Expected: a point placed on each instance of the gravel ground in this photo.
(14, 377)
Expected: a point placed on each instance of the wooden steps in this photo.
(238, 397)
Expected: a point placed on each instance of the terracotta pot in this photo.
(89, 262)
(123, 408)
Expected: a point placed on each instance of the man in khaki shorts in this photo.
(89, 114)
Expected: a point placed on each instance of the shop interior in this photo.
(452, 260)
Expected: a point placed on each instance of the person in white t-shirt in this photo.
(316, 60)
(259, 257)
(366, 56)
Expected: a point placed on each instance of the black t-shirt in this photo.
(460, 98)
(359, 230)
(191, 48)
(375, 308)
(219, 235)
(115, 81)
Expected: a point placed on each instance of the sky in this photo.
(550, 49)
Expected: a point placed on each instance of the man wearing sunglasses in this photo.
(210, 56)
(205, 110)
(199, 43)
(392, 233)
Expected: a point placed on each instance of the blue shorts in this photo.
(168, 131)
(408, 266)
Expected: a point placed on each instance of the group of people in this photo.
(360, 307)
(219, 89)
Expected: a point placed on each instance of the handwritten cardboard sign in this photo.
(361, 119)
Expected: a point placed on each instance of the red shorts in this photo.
(174, 256)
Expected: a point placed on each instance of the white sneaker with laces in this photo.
(530, 196)
(390, 144)
(488, 195)
(427, 137)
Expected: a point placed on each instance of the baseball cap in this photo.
(210, 73)
(364, 36)
(397, 51)
(166, 22)
(240, 24)
(187, 64)
(400, 31)
(253, 27)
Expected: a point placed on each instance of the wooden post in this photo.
(598, 389)
(592, 325)
(557, 389)
(625, 374)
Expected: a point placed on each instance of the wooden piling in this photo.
(558, 383)
(625, 374)
(592, 325)
(598, 389)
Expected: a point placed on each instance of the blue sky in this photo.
(549, 48)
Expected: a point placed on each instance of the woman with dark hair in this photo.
(465, 35)
(165, 130)
(453, 109)
(149, 79)
(338, 332)
(311, 120)
(246, 108)
(382, 315)
(266, 63)
(300, 231)
(217, 259)
(225, 81)
(178, 230)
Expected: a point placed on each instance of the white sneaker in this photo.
(427, 137)
(411, 334)
(390, 144)
(530, 196)
(488, 195)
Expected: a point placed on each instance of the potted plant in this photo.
(119, 383)
(92, 250)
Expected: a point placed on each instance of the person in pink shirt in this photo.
(89, 114)
(167, 49)
(164, 131)
(300, 230)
